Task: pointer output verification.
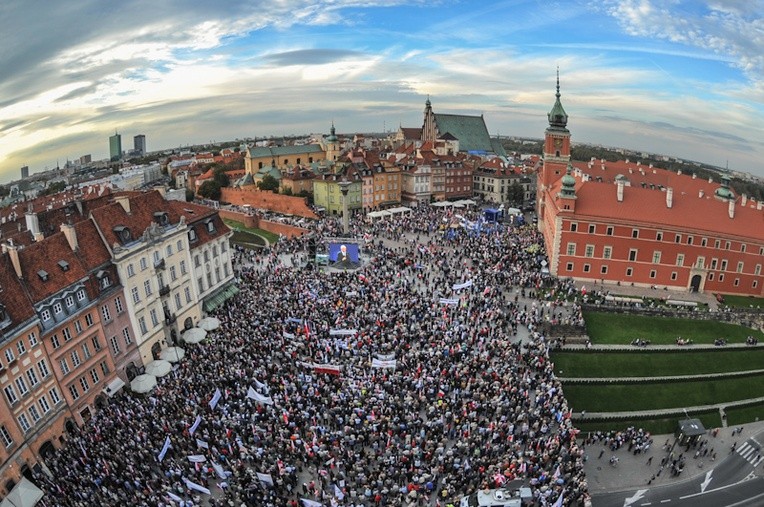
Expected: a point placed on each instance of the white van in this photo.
(498, 498)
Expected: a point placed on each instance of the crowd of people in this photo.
(414, 380)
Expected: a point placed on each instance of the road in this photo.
(736, 481)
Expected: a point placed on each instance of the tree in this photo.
(189, 195)
(269, 183)
(516, 194)
(210, 189)
(288, 191)
(221, 177)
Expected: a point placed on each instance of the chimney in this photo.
(710, 179)
(619, 191)
(743, 200)
(13, 253)
(731, 210)
(71, 236)
(33, 225)
(694, 176)
(124, 201)
(700, 194)
(759, 205)
(669, 197)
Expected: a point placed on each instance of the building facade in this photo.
(115, 146)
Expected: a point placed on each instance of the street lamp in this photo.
(344, 187)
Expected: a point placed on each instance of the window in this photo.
(633, 254)
(32, 339)
(603, 270)
(54, 396)
(689, 240)
(210, 226)
(69, 301)
(589, 251)
(10, 394)
(609, 230)
(187, 291)
(710, 277)
(629, 271)
(147, 287)
(635, 233)
(724, 265)
(224, 246)
(587, 268)
(678, 238)
(679, 260)
(757, 270)
(105, 368)
(142, 324)
(21, 347)
(173, 274)
(200, 283)
(7, 440)
(57, 308)
(32, 377)
(130, 270)
(177, 301)
(721, 277)
(74, 392)
(569, 266)
(755, 284)
(78, 326)
(34, 413)
(191, 235)
(45, 315)
(179, 245)
(652, 273)
(144, 264)
(135, 294)
(656, 257)
(727, 245)
(96, 343)
(592, 228)
(659, 236)
(571, 251)
(24, 423)
(740, 267)
(154, 319)
(9, 355)
(81, 295)
(86, 351)
(54, 341)
(44, 406)
(67, 334)
(197, 261)
(94, 376)
(573, 227)
(736, 282)
(157, 259)
(64, 366)
(700, 262)
(703, 242)
(75, 358)
(126, 336)
(114, 345)
(182, 267)
(84, 384)
(169, 250)
(42, 367)
(106, 313)
(742, 247)
(673, 275)
(22, 386)
(118, 304)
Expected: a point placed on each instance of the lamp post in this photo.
(344, 187)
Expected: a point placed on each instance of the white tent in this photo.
(441, 204)
(209, 323)
(23, 494)
(143, 383)
(194, 335)
(158, 368)
(114, 387)
(400, 209)
(172, 354)
(512, 211)
(378, 214)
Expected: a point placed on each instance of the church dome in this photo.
(558, 118)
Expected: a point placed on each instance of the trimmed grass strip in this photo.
(743, 301)
(744, 415)
(644, 363)
(654, 426)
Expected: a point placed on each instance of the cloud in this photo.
(311, 56)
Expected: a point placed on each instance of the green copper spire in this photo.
(558, 118)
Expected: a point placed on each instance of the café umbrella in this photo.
(158, 368)
(172, 354)
(194, 335)
(143, 383)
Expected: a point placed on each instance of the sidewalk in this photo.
(633, 472)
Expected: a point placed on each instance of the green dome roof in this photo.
(332, 137)
(558, 118)
(724, 191)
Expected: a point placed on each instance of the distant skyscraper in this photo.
(139, 145)
(115, 146)
(25, 172)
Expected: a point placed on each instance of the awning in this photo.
(24, 494)
(217, 299)
(114, 387)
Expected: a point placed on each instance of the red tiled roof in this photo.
(142, 208)
(44, 256)
(13, 295)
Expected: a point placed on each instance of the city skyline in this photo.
(677, 78)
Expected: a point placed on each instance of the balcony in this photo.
(164, 290)
(159, 265)
(170, 319)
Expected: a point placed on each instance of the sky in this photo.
(674, 77)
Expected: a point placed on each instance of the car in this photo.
(503, 497)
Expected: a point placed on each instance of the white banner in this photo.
(265, 479)
(175, 497)
(288, 336)
(219, 470)
(197, 487)
(265, 400)
(197, 458)
(342, 332)
(460, 286)
(215, 399)
(310, 503)
(338, 493)
(385, 357)
(449, 301)
(202, 443)
(197, 422)
(386, 363)
(260, 385)
(165, 447)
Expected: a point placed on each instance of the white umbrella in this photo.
(194, 335)
(158, 368)
(512, 211)
(209, 323)
(143, 383)
(172, 354)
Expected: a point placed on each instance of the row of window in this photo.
(659, 236)
(58, 307)
(67, 333)
(84, 381)
(115, 343)
(570, 266)
(143, 262)
(21, 347)
(31, 377)
(74, 355)
(33, 414)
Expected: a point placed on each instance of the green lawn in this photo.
(654, 426)
(233, 224)
(744, 415)
(744, 301)
(643, 363)
(651, 396)
(621, 329)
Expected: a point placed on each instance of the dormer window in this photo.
(43, 275)
(161, 218)
(192, 235)
(123, 234)
(210, 225)
(63, 265)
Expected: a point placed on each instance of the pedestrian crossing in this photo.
(750, 453)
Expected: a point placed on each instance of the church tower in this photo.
(556, 142)
(332, 145)
(429, 132)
